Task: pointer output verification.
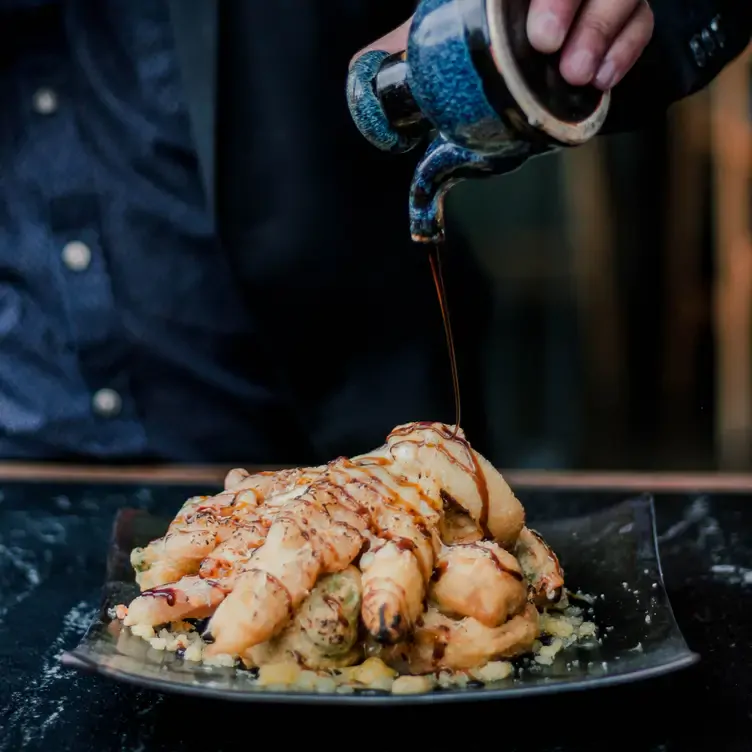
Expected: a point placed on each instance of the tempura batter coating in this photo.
(422, 535)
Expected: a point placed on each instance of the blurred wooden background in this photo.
(622, 278)
(731, 141)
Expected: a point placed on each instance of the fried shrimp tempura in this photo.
(324, 632)
(480, 580)
(419, 547)
(444, 643)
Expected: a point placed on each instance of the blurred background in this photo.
(629, 263)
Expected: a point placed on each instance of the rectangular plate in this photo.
(611, 554)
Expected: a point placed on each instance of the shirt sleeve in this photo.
(693, 41)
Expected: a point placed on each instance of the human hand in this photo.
(599, 44)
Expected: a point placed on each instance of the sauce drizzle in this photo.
(336, 607)
(438, 280)
(440, 642)
(167, 593)
(475, 467)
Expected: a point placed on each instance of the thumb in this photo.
(394, 41)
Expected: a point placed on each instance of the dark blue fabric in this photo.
(157, 315)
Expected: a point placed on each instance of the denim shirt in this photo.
(123, 335)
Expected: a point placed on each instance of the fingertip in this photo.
(626, 50)
(394, 41)
(606, 77)
(578, 67)
(545, 31)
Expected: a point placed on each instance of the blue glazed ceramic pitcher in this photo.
(471, 79)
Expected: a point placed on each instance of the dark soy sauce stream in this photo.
(438, 280)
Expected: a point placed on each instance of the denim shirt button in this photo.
(45, 101)
(76, 256)
(107, 403)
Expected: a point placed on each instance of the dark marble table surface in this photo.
(53, 545)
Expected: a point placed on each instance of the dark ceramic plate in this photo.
(612, 554)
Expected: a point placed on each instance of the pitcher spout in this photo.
(444, 165)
